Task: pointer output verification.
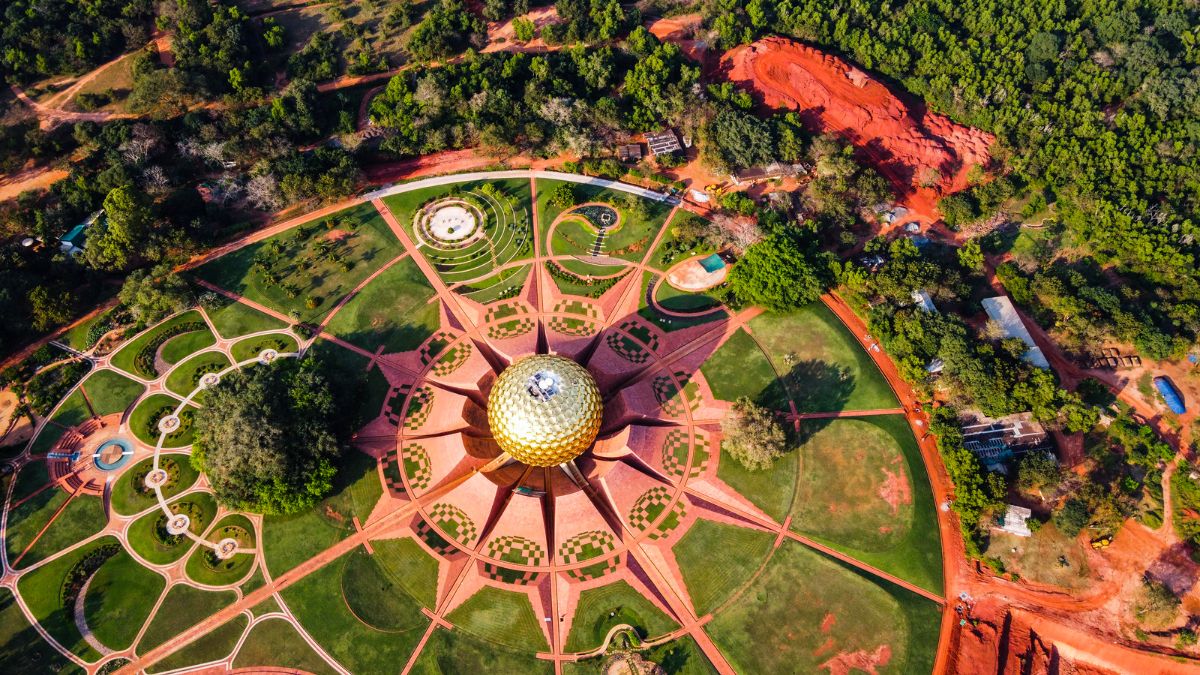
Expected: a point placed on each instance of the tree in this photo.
(50, 308)
(752, 435)
(1156, 605)
(776, 274)
(970, 256)
(563, 195)
(738, 140)
(523, 29)
(151, 295)
(1038, 470)
(114, 242)
(1072, 517)
(267, 437)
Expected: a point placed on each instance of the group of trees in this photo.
(268, 437)
(42, 38)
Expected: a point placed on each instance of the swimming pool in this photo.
(112, 454)
(712, 263)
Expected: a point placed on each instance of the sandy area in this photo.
(907, 144)
(34, 179)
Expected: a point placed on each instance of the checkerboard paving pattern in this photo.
(453, 358)
(571, 326)
(434, 346)
(395, 403)
(675, 454)
(419, 406)
(650, 507)
(510, 329)
(454, 522)
(504, 310)
(586, 546)
(576, 307)
(416, 466)
(627, 348)
(514, 549)
(673, 401)
(640, 332)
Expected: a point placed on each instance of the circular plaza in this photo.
(538, 478)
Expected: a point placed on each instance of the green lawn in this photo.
(407, 565)
(252, 347)
(716, 559)
(232, 319)
(824, 366)
(599, 609)
(451, 652)
(804, 601)
(183, 608)
(186, 376)
(213, 646)
(666, 254)
(683, 301)
(181, 346)
(276, 643)
(621, 243)
(22, 649)
(393, 310)
(82, 517)
(290, 540)
(318, 602)
(362, 240)
(347, 370)
(141, 417)
(739, 368)
(73, 411)
(119, 599)
(201, 507)
(77, 336)
(503, 617)
(126, 357)
(130, 494)
(46, 439)
(31, 477)
(111, 392)
(848, 468)
(505, 284)
(374, 597)
(40, 590)
(206, 568)
(770, 489)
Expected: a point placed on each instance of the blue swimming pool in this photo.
(712, 263)
(107, 450)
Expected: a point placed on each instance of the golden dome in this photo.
(544, 410)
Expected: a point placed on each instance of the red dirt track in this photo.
(899, 137)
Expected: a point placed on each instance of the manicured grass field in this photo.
(348, 369)
(126, 357)
(232, 319)
(362, 241)
(183, 608)
(207, 569)
(252, 347)
(809, 609)
(276, 643)
(290, 540)
(46, 439)
(31, 477)
(40, 590)
(213, 646)
(849, 467)
(393, 310)
(119, 599)
(147, 408)
(317, 602)
(828, 371)
(770, 489)
(503, 617)
(570, 287)
(716, 559)
(633, 230)
(497, 286)
(451, 652)
(201, 507)
(373, 596)
(665, 256)
(82, 517)
(130, 494)
(186, 376)
(72, 412)
(77, 336)
(599, 609)
(22, 649)
(682, 301)
(739, 368)
(111, 392)
(181, 346)
(407, 565)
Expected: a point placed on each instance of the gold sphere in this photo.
(544, 410)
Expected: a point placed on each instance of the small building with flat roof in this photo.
(662, 142)
(630, 152)
(1001, 310)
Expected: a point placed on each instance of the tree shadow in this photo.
(815, 387)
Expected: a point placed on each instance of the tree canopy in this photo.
(776, 274)
(267, 437)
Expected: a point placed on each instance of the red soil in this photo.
(681, 30)
(827, 623)
(895, 490)
(903, 140)
(867, 662)
(336, 235)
